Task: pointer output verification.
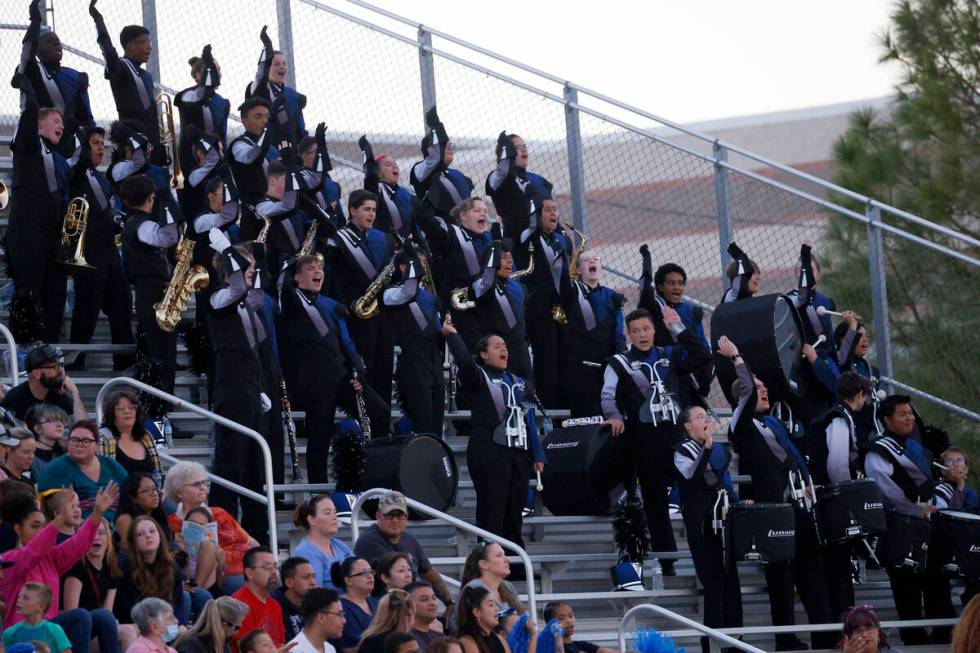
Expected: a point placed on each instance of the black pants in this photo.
(374, 342)
(500, 477)
(103, 289)
(543, 334)
(649, 451)
(581, 386)
(161, 346)
(722, 590)
(913, 589)
(271, 381)
(34, 255)
(423, 399)
(321, 409)
(840, 585)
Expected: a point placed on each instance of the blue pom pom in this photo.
(648, 640)
(546, 638)
(519, 639)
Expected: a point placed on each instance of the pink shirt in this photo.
(146, 645)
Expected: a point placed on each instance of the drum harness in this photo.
(661, 403)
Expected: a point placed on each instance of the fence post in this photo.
(576, 167)
(284, 19)
(722, 191)
(879, 292)
(150, 23)
(427, 73)
(46, 23)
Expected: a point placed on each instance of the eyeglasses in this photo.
(361, 573)
(53, 420)
(150, 490)
(120, 408)
(51, 366)
(398, 514)
(336, 614)
(199, 484)
(955, 462)
(82, 442)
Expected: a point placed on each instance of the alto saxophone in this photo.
(557, 311)
(460, 297)
(187, 279)
(367, 305)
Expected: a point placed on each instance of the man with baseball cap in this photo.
(46, 383)
(388, 535)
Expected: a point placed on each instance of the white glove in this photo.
(265, 404)
(219, 240)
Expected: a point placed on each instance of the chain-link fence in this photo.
(364, 71)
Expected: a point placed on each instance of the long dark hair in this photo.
(128, 506)
(109, 413)
(466, 624)
(471, 571)
(155, 578)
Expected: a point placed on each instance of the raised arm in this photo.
(748, 397)
(804, 287)
(436, 152)
(468, 371)
(507, 152)
(739, 288)
(491, 262)
(109, 53)
(694, 461)
(403, 293)
(29, 50)
(26, 140)
(371, 179)
(235, 265)
(260, 86)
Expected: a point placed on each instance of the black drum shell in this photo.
(839, 505)
(583, 472)
(771, 526)
(907, 536)
(957, 541)
(421, 467)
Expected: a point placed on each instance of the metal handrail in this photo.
(817, 628)
(458, 523)
(690, 623)
(12, 348)
(268, 499)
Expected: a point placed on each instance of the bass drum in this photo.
(584, 471)
(957, 542)
(905, 541)
(850, 509)
(421, 467)
(762, 532)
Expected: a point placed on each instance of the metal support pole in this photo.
(427, 72)
(879, 292)
(576, 167)
(722, 191)
(284, 18)
(150, 23)
(46, 22)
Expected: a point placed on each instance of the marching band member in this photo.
(434, 181)
(55, 85)
(396, 205)
(249, 155)
(286, 113)
(637, 402)
(503, 447)
(706, 488)
(744, 275)
(808, 299)
(204, 161)
(593, 332)
(279, 206)
(315, 158)
(952, 493)
(221, 212)
(851, 339)
(767, 454)
(201, 105)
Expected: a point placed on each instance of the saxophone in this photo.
(187, 279)
(367, 305)
(557, 311)
(460, 298)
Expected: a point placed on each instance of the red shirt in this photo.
(265, 616)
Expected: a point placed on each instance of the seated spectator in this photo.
(124, 436)
(392, 572)
(220, 619)
(150, 570)
(48, 423)
(40, 558)
(46, 383)
(8, 488)
(207, 565)
(259, 641)
(187, 485)
(445, 645)
(426, 628)
(398, 642)
(157, 626)
(487, 566)
(566, 619)
(476, 616)
(83, 470)
(862, 632)
(297, 579)
(966, 634)
(91, 585)
(396, 613)
(264, 613)
(140, 495)
(355, 577)
(17, 447)
(63, 507)
(388, 535)
(321, 547)
(323, 620)
(32, 602)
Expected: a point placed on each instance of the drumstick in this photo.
(591, 364)
(823, 310)
(819, 341)
(540, 485)
(942, 467)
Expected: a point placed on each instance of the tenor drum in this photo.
(958, 542)
(850, 509)
(905, 540)
(762, 532)
(584, 470)
(421, 467)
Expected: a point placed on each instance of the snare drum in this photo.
(762, 532)
(850, 509)
(958, 542)
(904, 542)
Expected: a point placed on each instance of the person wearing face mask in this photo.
(264, 613)
(744, 275)
(286, 115)
(46, 384)
(103, 287)
(54, 84)
(594, 331)
(326, 192)
(39, 197)
(516, 193)
(552, 256)
(397, 206)
(434, 181)
(630, 391)
(132, 85)
(500, 458)
(157, 626)
(323, 367)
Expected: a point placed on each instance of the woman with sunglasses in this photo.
(47, 422)
(356, 578)
(18, 445)
(124, 436)
(318, 517)
(703, 467)
(187, 485)
(219, 621)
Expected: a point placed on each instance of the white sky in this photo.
(685, 60)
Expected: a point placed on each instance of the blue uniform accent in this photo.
(220, 109)
(62, 172)
(537, 450)
(538, 187)
(267, 315)
(429, 305)
(70, 81)
(376, 244)
(686, 313)
(517, 296)
(403, 200)
(331, 193)
(917, 454)
(783, 438)
(970, 501)
(721, 457)
(159, 176)
(294, 101)
(332, 313)
(460, 181)
(826, 372)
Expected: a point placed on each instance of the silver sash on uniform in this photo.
(496, 393)
(469, 252)
(450, 188)
(97, 191)
(353, 244)
(552, 257)
(140, 86)
(51, 86)
(315, 317)
(419, 316)
(771, 441)
(49, 171)
(504, 302)
(396, 216)
(588, 315)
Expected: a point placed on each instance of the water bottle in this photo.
(168, 432)
(658, 576)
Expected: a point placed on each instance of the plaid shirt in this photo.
(108, 446)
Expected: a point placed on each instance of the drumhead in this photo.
(427, 472)
(956, 515)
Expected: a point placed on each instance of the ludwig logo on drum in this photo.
(874, 505)
(445, 465)
(975, 548)
(562, 445)
(775, 533)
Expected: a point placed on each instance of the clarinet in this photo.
(290, 427)
(362, 411)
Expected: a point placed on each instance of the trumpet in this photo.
(73, 229)
(168, 136)
(460, 297)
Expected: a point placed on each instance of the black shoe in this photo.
(667, 568)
